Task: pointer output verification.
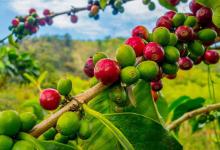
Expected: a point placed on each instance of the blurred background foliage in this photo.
(61, 56)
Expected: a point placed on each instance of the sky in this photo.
(86, 28)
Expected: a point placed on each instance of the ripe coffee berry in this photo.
(204, 15)
(185, 63)
(211, 57)
(184, 33)
(193, 6)
(50, 99)
(46, 12)
(107, 71)
(156, 86)
(170, 14)
(32, 10)
(137, 44)
(154, 52)
(164, 21)
(73, 18)
(140, 31)
(89, 67)
(15, 22)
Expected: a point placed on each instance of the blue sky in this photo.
(108, 25)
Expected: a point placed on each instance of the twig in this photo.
(192, 114)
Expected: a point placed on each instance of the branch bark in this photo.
(73, 105)
(192, 114)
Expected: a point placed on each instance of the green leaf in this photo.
(42, 77)
(115, 131)
(103, 4)
(178, 102)
(45, 145)
(188, 106)
(30, 78)
(144, 101)
(162, 106)
(12, 42)
(165, 4)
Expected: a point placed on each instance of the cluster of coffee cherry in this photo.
(68, 128)
(179, 41)
(11, 124)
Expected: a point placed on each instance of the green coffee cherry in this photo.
(64, 86)
(49, 134)
(28, 121)
(173, 39)
(211, 117)
(118, 95)
(129, 75)
(151, 6)
(178, 19)
(61, 138)
(10, 122)
(202, 118)
(125, 55)
(170, 68)
(98, 56)
(172, 54)
(145, 2)
(84, 130)
(160, 35)
(207, 35)
(68, 124)
(5, 142)
(196, 48)
(191, 21)
(23, 145)
(148, 70)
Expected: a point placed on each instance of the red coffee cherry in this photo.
(89, 67)
(211, 57)
(140, 31)
(137, 44)
(185, 63)
(184, 33)
(153, 51)
(156, 86)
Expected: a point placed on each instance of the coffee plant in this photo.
(124, 108)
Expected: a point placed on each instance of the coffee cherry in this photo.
(184, 33)
(68, 124)
(50, 99)
(196, 60)
(207, 35)
(196, 48)
(15, 22)
(73, 18)
(118, 4)
(137, 44)
(173, 2)
(94, 10)
(148, 70)
(185, 63)
(125, 55)
(64, 86)
(159, 75)
(129, 75)
(191, 21)
(61, 138)
(173, 39)
(154, 52)
(164, 21)
(172, 54)
(28, 121)
(140, 31)
(98, 56)
(46, 12)
(178, 19)
(154, 95)
(31, 20)
(151, 6)
(89, 67)
(23, 145)
(10, 123)
(49, 21)
(202, 118)
(118, 95)
(49, 134)
(107, 71)
(161, 35)
(32, 10)
(84, 130)
(211, 117)
(194, 7)
(156, 86)
(211, 57)
(204, 15)
(6, 142)
(170, 14)
(42, 22)
(145, 2)
(171, 76)
(170, 68)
